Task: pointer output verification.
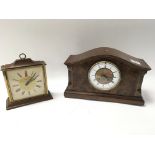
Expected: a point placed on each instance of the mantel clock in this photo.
(106, 74)
(26, 82)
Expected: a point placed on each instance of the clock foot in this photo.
(24, 102)
(132, 100)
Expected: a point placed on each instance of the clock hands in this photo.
(33, 77)
(30, 80)
(107, 77)
(104, 76)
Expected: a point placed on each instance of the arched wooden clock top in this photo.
(107, 52)
(106, 74)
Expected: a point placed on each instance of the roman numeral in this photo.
(105, 65)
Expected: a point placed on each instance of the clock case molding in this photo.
(132, 73)
(19, 63)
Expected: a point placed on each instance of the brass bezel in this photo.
(8, 83)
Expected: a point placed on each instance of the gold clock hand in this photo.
(30, 80)
(35, 77)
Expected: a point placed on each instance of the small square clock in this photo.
(26, 82)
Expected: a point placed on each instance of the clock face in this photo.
(104, 75)
(26, 82)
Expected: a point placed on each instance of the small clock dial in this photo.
(26, 82)
(104, 75)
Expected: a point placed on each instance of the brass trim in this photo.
(45, 78)
(8, 84)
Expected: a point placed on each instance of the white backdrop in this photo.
(62, 124)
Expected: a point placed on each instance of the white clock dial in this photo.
(26, 82)
(104, 75)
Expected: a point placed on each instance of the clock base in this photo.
(20, 103)
(132, 100)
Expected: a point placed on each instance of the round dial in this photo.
(26, 82)
(104, 75)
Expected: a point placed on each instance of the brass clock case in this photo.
(22, 64)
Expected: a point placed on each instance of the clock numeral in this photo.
(26, 74)
(19, 75)
(17, 90)
(38, 86)
(105, 65)
(15, 80)
(39, 81)
(15, 85)
(23, 92)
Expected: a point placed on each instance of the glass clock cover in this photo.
(26, 82)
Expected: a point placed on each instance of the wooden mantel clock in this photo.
(106, 74)
(26, 82)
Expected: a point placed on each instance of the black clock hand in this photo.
(105, 77)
